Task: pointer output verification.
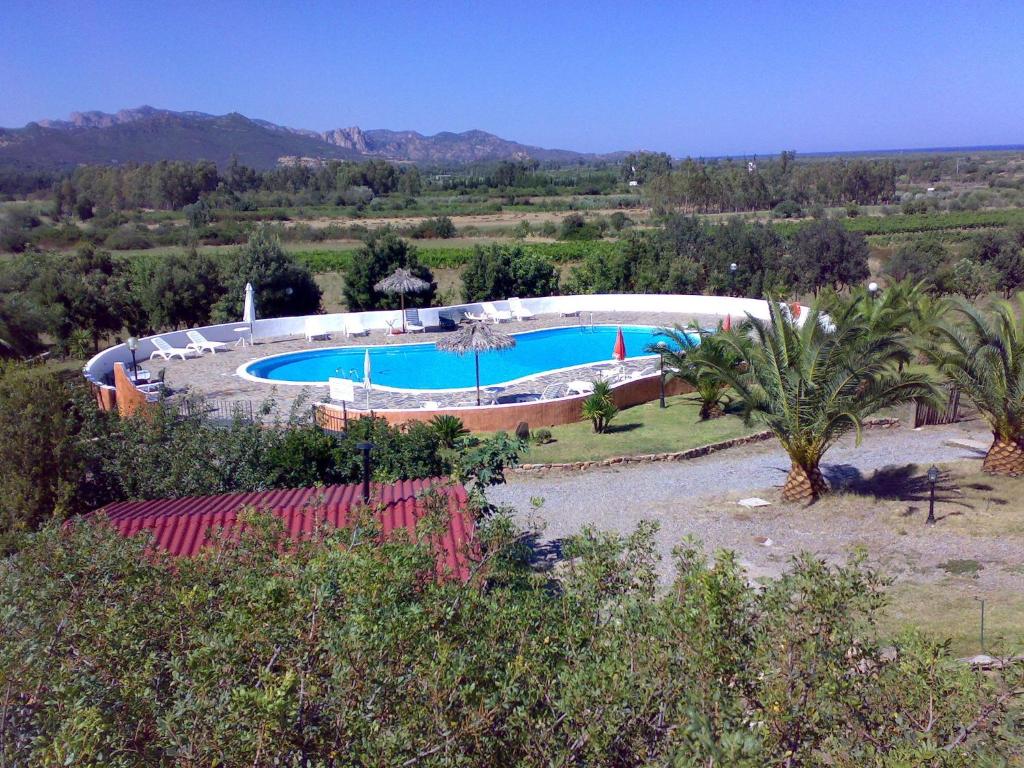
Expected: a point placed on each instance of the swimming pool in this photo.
(423, 367)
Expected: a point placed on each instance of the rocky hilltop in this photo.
(148, 134)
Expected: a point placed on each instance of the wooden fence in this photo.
(926, 415)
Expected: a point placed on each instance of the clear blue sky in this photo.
(698, 78)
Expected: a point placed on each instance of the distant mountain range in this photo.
(148, 134)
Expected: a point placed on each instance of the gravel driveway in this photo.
(697, 497)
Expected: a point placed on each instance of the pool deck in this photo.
(215, 378)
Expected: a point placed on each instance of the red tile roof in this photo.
(182, 526)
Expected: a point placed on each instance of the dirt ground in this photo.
(940, 572)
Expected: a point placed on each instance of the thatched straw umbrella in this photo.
(476, 337)
(402, 281)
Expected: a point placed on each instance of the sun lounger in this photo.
(495, 314)
(200, 343)
(165, 351)
(430, 405)
(316, 328)
(519, 311)
(570, 311)
(412, 321)
(553, 391)
(580, 387)
(354, 326)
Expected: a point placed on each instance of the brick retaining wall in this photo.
(537, 413)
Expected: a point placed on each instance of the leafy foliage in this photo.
(691, 359)
(283, 287)
(383, 253)
(346, 648)
(813, 383)
(449, 429)
(599, 407)
(498, 272)
(984, 357)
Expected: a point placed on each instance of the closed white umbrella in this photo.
(249, 309)
(366, 376)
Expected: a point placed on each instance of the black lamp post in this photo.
(365, 447)
(662, 347)
(933, 478)
(732, 279)
(133, 344)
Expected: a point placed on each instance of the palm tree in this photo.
(984, 357)
(684, 358)
(813, 384)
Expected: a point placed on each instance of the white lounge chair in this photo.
(580, 387)
(430, 405)
(570, 311)
(519, 311)
(412, 321)
(552, 391)
(165, 351)
(200, 343)
(478, 318)
(316, 328)
(495, 314)
(354, 326)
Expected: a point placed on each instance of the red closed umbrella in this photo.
(619, 353)
(727, 323)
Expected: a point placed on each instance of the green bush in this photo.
(542, 436)
(347, 650)
(599, 407)
(449, 429)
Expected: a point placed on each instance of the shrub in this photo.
(599, 407)
(542, 436)
(440, 227)
(383, 253)
(449, 429)
(787, 209)
(270, 653)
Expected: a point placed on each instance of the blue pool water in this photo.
(423, 367)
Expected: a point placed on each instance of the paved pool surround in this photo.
(215, 376)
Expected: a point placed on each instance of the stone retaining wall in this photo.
(691, 453)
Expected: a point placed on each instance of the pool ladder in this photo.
(584, 326)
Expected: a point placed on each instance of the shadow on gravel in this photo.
(905, 483)
(545, 555)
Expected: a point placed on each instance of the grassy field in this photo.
(642, 429)
(974, 511)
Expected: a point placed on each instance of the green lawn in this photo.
(638, 430)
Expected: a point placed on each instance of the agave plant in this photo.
(815, 383)
(685, 359)
(984, 357)
(599, 407)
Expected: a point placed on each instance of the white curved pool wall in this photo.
(100, 368)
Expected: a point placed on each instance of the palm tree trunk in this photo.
(711, 411)
(1005, 457)
(804, 484)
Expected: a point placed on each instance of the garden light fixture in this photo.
(133, 344)
(933, 478)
